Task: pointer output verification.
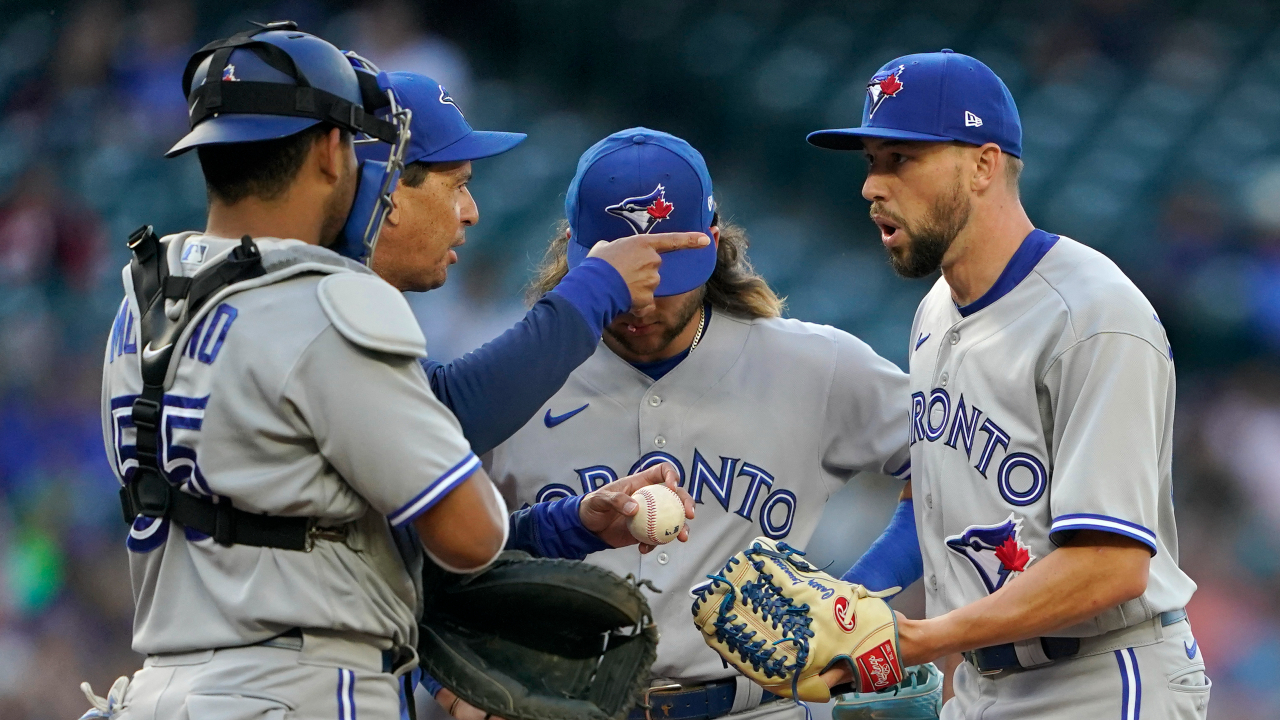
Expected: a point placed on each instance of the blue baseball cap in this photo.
(639, 181)
(438, 131)
(938, 97)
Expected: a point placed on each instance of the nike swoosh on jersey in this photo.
(553, 420)
(1191, 651)
(148, 353)
(922, 339)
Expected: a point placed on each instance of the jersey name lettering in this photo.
(775, 513)
(933, 419)
(206, 340)
(123, 340)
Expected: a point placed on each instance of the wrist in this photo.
(921, 641)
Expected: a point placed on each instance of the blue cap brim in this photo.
(681, 270)
(239, 129)
(473, 146)
(851, 138)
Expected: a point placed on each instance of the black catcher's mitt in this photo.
(538, 639)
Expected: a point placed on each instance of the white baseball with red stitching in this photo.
(660, 517)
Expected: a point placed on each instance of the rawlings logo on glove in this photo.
(782, 622)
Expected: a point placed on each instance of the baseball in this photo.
(660, 517)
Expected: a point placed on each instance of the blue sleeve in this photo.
(428, 682)
(495, 389)
(894, 558)
(553, 530)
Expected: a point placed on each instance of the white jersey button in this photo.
(655, 401)
(955, 338)
(944, 379)
(933, 582)
(928, 500)
(663, 559)
(660, 441)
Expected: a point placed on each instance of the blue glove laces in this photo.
(764, 598)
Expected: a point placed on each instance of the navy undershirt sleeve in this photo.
(553, 530)
(495, 389)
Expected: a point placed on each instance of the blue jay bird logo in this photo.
(996, 551)
(645, 211)
(447, 99)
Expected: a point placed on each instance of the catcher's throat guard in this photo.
(376, 180)
(782, 622)
(538, 639)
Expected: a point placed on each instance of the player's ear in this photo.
(331, 155)
(393, 217)
(986, 166)
(715, 235)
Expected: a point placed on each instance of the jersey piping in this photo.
(1024, 260)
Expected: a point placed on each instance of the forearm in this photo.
(495, 389)
(554, 530)
(1070, 585)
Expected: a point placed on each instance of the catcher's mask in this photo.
(273, 81)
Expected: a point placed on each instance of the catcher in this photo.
(265, 413)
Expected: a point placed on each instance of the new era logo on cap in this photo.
(971, 120)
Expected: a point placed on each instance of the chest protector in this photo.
(147, 492)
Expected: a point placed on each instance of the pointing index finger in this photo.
(666, 242)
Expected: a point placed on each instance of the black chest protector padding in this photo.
(538, 639)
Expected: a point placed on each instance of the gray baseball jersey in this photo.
(763, 420)
(1044, 408)
(297, 393)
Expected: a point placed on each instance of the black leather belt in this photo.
(995, 658)
(705, 702)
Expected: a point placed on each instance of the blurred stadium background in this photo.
(1152, 133)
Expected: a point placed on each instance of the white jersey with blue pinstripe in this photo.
(1044, 408)
(273, 408)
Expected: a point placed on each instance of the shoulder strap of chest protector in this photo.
(147, 492)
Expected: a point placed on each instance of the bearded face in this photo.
(916, 246)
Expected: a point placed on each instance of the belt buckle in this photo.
(972, 657)
(339, 534)
(644, 703)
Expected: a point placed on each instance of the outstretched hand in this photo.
(638, 258)
(606, 511)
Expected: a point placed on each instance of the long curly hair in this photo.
(735, 288)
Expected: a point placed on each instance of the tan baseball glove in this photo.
(782, 622)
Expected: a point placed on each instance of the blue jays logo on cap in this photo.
(447, 99)
(643, 213)
(884, 86)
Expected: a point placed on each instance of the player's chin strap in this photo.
(147, 491)
(376, 180)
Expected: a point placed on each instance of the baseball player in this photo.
(265, 412)
(762, 417)
(1041, 423)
